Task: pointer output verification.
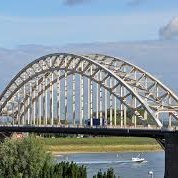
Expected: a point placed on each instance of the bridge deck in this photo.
(131, 132)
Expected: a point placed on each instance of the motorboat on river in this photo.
(138, 159)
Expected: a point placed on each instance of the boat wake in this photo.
(106, 162)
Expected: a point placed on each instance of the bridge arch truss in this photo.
(71, 89)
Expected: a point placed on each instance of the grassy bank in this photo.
(100, 144)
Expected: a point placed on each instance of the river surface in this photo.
(120, 162)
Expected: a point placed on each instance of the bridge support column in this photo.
(171, 156)
(82, 97)
(100, 101)
(111, 104)
(106, 103)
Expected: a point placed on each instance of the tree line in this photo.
(27, 158)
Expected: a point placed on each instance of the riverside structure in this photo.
(59, 92)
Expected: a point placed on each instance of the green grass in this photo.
(99, 141)
(100, 144)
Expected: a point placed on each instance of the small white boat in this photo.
(138, 159)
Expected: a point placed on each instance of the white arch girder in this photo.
(156, 94)
(106, 64)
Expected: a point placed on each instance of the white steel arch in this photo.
(32, 85)
(158, 96)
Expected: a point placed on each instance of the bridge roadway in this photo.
(109, 131)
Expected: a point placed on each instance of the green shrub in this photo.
(64, 170)
(108, 174)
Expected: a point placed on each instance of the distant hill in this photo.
(156, 57)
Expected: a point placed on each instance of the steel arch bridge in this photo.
(87, 90)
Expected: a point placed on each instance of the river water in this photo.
(120, 162)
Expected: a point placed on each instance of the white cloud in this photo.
(135, 2)
(170, 31)
(75, 2)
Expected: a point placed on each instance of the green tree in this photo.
(64, 170)
(27, 158)
(108, 174)
(23, 158)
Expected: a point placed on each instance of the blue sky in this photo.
(143, 31)
(53, 8)
(57, 22)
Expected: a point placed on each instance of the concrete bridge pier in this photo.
(171, 155)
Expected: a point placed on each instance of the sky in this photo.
(60, 22)
(145, 32)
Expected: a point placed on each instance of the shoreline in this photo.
(108, 149)
(129, 151)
